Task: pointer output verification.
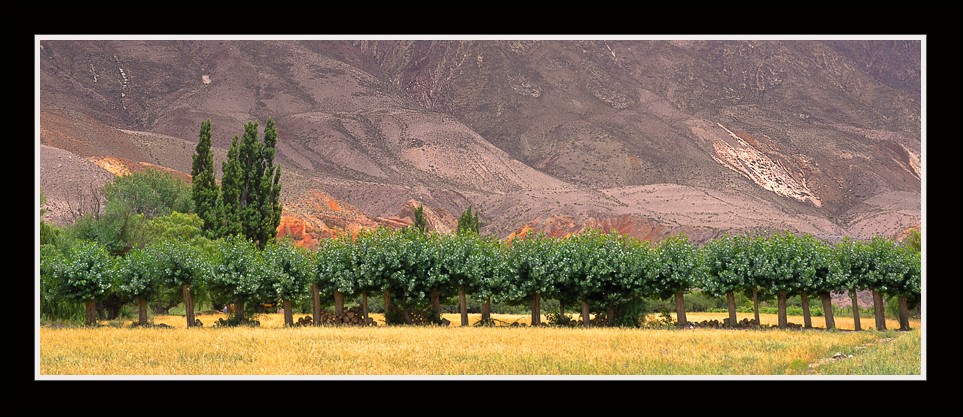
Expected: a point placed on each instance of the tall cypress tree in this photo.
(468, 222)
(270, 192)
(252, 186)
(420, 222)
(203, 187)
(229, 209)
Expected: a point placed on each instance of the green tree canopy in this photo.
(468, 222)
(204, 190)
(289, 270)
(251, 186)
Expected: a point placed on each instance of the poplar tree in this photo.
(203, 187)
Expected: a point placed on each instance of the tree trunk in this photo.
(288, 313)
(113, 310)
(855, 304)
(407, 314)
(387, 298)
(464, 306)
(436, 303)
(755, 305)
(239, 309)
(610, 315)
(99, 306)
(188, 304)
(90, 317)
(142, 311)
(879, 309)
(561, 311)
(807, 318)
(487, 310)
(586, 322)
(783, 321)
(536, 310)
(828, 310)
(315, 305)
(681, 321)
(338, 303)
(731, 304)
(903, 314)
(364, 307)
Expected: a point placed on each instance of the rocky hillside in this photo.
(646, 137)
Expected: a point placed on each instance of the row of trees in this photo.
(142, 208)
(604, 274)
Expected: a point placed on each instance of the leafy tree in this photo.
(906, 283)
(239, 274)
(151, 193)
(468, 222)
(603, 270)
(792, 269)
(887, 270)
(852, 269)
(84, 275)
(289, 269)
(824, 281)
(463, 260)
(251, 186)
(530, 272)
(52, 305)
(131, 201)
(380, 267)
(181, 265)
(490, 265)
(727, 270)
(137, 278)
(759, 263)
(677, 269)
(413, 284)
(437, 281)
(174, 226)
(335, 273)
(204, 190)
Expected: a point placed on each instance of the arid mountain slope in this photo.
(648, 137)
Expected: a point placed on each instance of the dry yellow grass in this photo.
(272, 350)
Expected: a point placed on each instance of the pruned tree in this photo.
(678, 267)
(84, 274)
(335, 274)
(906, 285)
(728, 269)
(852, 269)
(461, 264)
(137, 278)
(289, 269)
(181, 265)
(239, 275)
(530, 272)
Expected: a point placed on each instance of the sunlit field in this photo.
(402, 350)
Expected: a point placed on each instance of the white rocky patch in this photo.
(739, 156)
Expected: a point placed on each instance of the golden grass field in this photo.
(400, 350)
